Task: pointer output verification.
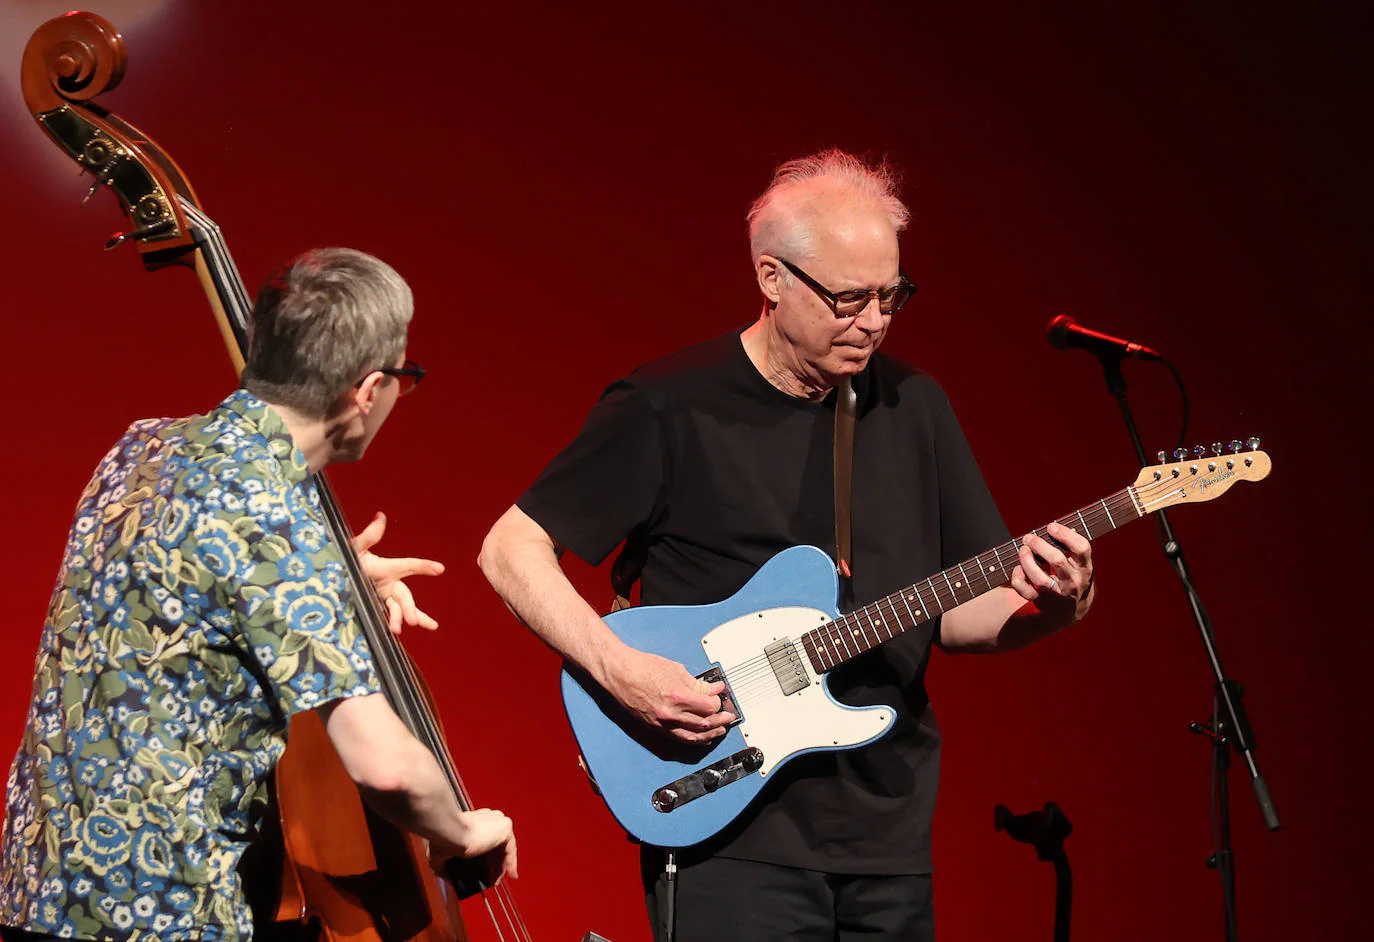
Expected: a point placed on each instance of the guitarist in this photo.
(200, 604)
(712, 460)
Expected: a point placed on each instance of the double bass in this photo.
(343, 873)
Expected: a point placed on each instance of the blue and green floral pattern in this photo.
(201, 603)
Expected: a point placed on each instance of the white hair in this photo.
(776, 227)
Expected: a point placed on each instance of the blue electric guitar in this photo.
(773, 643)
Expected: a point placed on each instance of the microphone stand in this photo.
(1230, 725)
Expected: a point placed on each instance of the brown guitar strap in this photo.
(844, 465)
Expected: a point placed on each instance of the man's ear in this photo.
(364, 396)
(769, 272)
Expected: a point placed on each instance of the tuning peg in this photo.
(1235, 446)
(1216, 448)
(1163, 456)
(1253, 443)
(1199, 451)
(101, 162)
(1180, 454)
(142, 232)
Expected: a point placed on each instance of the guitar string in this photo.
(755, 677)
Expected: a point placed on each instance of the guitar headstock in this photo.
(68, 62)
(1202, 477)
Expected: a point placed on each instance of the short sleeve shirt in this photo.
(706, 471)
(201, 602)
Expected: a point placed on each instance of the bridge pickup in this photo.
(706, 780)
(787, 666)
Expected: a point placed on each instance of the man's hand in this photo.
(388, 574)
(665, 697)
(1062, 587)
(488, 834)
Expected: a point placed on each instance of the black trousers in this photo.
(724, 900)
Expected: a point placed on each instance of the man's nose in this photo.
(870, 317)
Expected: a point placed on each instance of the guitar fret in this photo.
(1109, 514)
(952, 593)
(907, 606)
(1087, 531)
(843, 640)
(890, 633)
(935, 595)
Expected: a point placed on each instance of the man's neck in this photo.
(777, 363)
(311, 436)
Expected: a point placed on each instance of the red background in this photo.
(565, 189)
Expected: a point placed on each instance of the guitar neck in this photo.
(865, 628)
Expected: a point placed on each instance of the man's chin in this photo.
(851, 361)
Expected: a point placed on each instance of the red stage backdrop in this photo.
(564, 185)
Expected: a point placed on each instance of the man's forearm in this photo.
(522, 566)
(997, 621)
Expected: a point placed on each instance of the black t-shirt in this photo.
(709, 470)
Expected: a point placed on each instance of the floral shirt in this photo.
(201, 602)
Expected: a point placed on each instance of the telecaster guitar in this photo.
(773, 643)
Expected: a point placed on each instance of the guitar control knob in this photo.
(665, 799)
(711, 779)
(752, 760)
(1252, 443)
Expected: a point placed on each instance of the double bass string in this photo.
(400, 679)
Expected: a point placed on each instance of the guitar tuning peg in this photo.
(1163, 456)
(1180, 454)
(1235, 446)
(1216, 448)
(1253, 443)
(1199, 451)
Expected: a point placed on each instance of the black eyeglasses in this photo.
(851, 303)
(407, 377)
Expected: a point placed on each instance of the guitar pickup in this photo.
(706, 780)
(727, 699)
(787, 666)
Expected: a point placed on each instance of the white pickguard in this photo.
(779, 725)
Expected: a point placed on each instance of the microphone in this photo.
(1064, 333)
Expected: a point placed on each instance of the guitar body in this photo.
(792, 593)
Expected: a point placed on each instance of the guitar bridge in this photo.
(727, 698)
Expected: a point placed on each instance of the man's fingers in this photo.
(689, 736)
(1076, 542)
(393, 616)
(1036, 576)
(370, 534)
(402, 567)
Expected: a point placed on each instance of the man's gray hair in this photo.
(320, 323)
(776, 227)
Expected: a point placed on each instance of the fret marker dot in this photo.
(958, 585)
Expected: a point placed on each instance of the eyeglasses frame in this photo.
(833, 299)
